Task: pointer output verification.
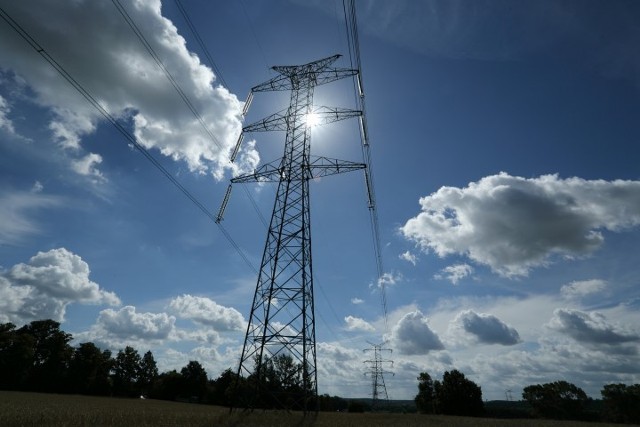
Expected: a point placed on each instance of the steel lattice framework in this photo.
(282, 320)
(376, 372)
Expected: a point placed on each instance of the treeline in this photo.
(38, 357)
(457, 395)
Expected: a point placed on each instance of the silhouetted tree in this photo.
(621, 403)
(426, 397)
(457, 395)
(194, 379)
(16, 357)
(557, 400)
(51, 355)
(167, 386)
(276, 383)
(126, 371)
(89, 370)
(221, 388)
(332, 403)
(147, 373)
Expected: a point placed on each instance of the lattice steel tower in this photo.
(376, 372)
(282, 320)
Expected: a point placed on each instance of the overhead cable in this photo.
(127, 135)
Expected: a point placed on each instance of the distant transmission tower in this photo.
(376, 371)
(282, 320)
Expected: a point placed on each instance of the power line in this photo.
(351, 24)
(196, 35)
(169, 76)
(127, 135)
(253, 32)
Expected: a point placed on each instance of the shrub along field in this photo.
(34, 409)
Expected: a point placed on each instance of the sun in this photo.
(312, 119)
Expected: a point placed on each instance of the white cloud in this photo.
(591, 328)
(356, 301)
(409, 257)
(514, 224)
(120, 73)
(5, 122)
(412, 335)
(340, 368)
(486, 328)
(205, 311)
(358, 324)
(582, 288)
(46, 285)
(87, 166)
(455, 273)
(15, 210)
(388, 279)
(126, 323)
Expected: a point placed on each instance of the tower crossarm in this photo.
(318, 167)
(326, 115)
(284, 82)
(324, 166)
(268, 172)
(317, 72)
(321, 116)
(276, 121)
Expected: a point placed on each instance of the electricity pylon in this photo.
(282, 320)
(376, 372)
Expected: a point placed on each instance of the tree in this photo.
(147, 373)
(557, 400)
(167, 386)
(194, 381)
(457, 395)
(332, 403)
(454, 395)
(621, 403)
(89, 370)
(51, 355)
(16, 357)
(221, 388)
(426, 398)
(126, 372)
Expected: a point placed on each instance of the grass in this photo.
(34, 409)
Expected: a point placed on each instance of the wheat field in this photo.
(35, 409)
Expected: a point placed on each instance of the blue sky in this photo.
(505, 151)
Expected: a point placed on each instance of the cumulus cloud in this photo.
(590, 328)
(412, 335)
(514, 224)
(358, 324)
(126, 323)
(582, 288)
(356, 301)
(486, 328)
(409, 257)
(339, 368)
(120, 73)
(205, 311)
(16, 211)
(46, 285)
(455, 273)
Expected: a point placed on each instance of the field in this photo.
(33, 409)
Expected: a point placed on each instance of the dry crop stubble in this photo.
(36, 409)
